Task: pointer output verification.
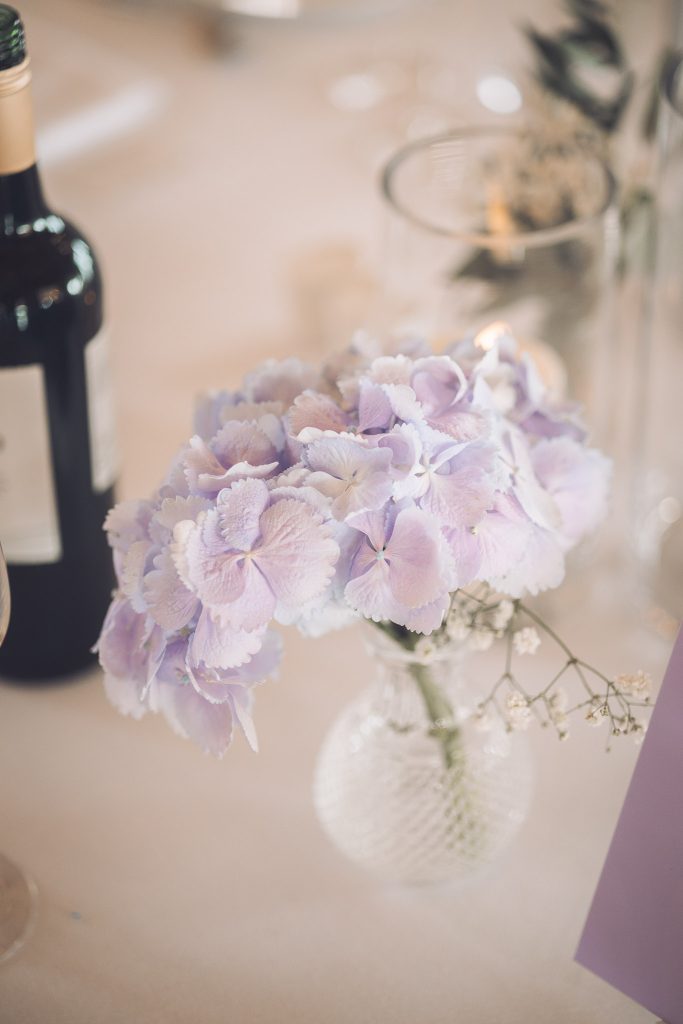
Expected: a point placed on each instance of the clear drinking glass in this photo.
(660, 526)
(17, 892)
(489, 223)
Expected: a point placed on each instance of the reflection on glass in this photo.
(499, 94)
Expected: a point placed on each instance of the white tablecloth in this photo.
(175, 888)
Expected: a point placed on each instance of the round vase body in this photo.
(413, 799)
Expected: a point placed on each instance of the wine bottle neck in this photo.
(21, 200)
(17, 135)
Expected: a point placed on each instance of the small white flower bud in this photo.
(526, 641)
(502, 614)
(518, 711)
(635, 685)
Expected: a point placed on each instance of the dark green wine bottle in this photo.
(57, 439)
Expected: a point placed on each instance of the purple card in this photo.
(633, 937)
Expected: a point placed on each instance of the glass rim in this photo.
(673, 67)
(485, 239)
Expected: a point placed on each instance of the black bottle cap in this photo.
(12, 39)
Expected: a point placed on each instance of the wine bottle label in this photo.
(29, 525)
(104, 451)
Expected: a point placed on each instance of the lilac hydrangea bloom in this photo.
(373, 487)
(354, 476)
(577, 479)
(251, 553)
(237, 451)
(510, 384)
(204, 705)
(400, 567)
(313, 415)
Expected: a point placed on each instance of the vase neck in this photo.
(408, 687)
(427, 652)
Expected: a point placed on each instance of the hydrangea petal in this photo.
(413, 554)
(404, 403)
(313, 413)
(175, 510)
(207, 473)
(210, 726)
(240, 508)
(121, 641)
(200, 557)
(130, 651)
(297, 554)
(429, 617)
(374, 407)
(123, 693)
(216, 643)
(374, 526)
(173, 668)
(201, 465)
(370, 593)
(540, 568)
(438, 383)
(361, 473)
(127, 523)
(169, 601)
(280, 381)
(220, 686)
(462, 491)
(132, 569)
(395, 369)
(578, 480)
(503, 536)
(242, 707)
(538, 504)
(406, 447)
(237, 441)
(490, 549)
(256, 604)
(466, 549)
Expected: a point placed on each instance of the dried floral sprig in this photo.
(586, 87)
(480, 617)
(604, 700)
(568, 63)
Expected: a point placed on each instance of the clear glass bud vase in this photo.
(411, 781)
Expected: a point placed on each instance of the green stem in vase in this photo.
(437, 705)
(439, 711)
(464, 809)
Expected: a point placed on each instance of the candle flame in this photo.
(488, 337)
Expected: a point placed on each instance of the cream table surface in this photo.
(175, 888)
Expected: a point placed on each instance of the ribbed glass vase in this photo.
(410, 782)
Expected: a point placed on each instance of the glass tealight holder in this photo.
(488, 223)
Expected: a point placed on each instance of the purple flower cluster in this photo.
(374, 487)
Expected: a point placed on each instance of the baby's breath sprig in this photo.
(479, 617)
